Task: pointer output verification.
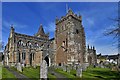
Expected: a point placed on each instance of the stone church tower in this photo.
(70, 39)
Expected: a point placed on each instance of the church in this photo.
(67, 47)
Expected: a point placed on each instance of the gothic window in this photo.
(36, 45)
(18, 56)
(23, 55)
(33, 55)
(20, 43)
(29, 44)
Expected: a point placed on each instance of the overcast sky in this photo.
(27, 17)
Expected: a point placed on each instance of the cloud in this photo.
(90, 21)
(7, 24)
(107, 49)
(50, 27)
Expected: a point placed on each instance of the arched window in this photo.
(23, 55)
(18, 58)
(36, 45)
(20, 43)
(28, 44)
(33, 55)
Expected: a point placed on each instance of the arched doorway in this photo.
(47, 60)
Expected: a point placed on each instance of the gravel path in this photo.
(58, 75)
(17, 74)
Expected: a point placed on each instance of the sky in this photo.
(96, 18)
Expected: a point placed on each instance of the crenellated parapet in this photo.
(91, 55)
(70, 13)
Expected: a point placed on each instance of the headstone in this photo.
(74, 67)
(43, 70)
(19, 67)
(101, 65)
(79, 72)
(68, 69)
(64, 68)
(23, 65)
(34, 66)
(84, 66)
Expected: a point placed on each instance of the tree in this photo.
(115, 32)
(1, 46)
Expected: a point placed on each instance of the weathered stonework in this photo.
(70, 39)
(25, 49)
(68, 46)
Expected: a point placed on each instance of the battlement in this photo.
(70, 13)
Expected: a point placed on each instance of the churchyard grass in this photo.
(34, 73)
(66, 74)
(51, 77)
(31, 72)
(7, 74)
(96, 73)
(100, 73)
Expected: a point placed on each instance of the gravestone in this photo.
(84, 66)
(19, 67)
(74, 67)
(101, 65)
(23, 65)
(43, 70)
(79, 72)
(64, 68)
(68, 69)
(34, 66)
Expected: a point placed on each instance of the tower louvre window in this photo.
(77, 31)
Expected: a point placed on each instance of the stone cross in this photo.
(43, 70)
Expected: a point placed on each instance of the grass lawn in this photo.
(96, 73)
(51, 77)
(34, 73)
(7, 74)
(66, 74)
(100, 73)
